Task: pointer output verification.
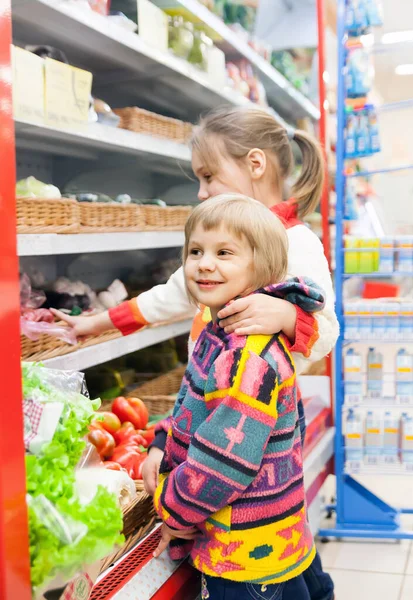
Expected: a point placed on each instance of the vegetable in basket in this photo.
(132, 410)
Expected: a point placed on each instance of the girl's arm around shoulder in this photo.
(161, 303)
(226, 452)
(306, 259)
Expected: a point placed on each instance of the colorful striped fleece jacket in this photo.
(233, 464)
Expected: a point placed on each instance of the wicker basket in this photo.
(143, 121)
(101, 217)
(48, 346)
(35, 215)
(159, 394)
(35, 349)
(166, 217)
(138, 519)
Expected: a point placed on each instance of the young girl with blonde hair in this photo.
(231, 489)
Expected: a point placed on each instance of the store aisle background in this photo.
(373, 569)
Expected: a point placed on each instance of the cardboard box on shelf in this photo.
(67, 94)
(28, 86)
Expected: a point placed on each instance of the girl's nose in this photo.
(202, 194)
(206, 264)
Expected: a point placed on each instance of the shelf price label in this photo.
(353, 399)
(372, 461)
(354, 466)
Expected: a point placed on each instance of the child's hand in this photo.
(259, 314)
(167, 534)
(84, 326)
(150, 470)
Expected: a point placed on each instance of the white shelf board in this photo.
(90, 139)
(45, 244)
(96, 355)
(118, 58)
(285, 98)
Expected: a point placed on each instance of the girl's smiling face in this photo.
(219, 267)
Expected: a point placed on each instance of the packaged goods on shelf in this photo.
(361, 133)
(379, 438)
(388, 254)
(361, 15)
(359, 73)
(242, 79)
(374, 377)
(378, 320)
(49, 91)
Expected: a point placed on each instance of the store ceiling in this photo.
(398, 16)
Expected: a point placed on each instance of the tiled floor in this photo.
(373, 570)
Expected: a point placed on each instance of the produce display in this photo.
(66, 532)
(122, 436)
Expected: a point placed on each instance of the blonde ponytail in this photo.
(241, 129)
(309, 185)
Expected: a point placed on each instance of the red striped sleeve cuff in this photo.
(306, 332)
(127, 317)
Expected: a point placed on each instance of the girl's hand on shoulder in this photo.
(259, 314)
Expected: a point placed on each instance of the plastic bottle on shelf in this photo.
(386, 264)
(374, 12)
(374, 373)
(365, 320)
(362, 135)
(351, 321)
(404, 376)
(353, 380)
(354, 437)
(378, 320)
(406, 321)
(392, 320)
(405, 253)
(406, 437)
(373, 128)
(373, 438)
(391, 437)
(351, 137)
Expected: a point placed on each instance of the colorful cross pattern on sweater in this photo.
(233, 464)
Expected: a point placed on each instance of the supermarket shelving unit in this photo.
(141, 75)
(360, 513)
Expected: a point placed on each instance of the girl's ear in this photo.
(257, 163)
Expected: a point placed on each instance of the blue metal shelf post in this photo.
(360, 513)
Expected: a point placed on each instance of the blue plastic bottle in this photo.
(362, 136)
(374, 374)
(351, 137)
(374, 134)
(350, 202)
(374, 13)
(354, 437)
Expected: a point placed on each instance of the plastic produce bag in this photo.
(32, 188)
(66, 533)
(35, 321)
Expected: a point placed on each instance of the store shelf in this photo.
(120, 60)
(281, 94)
(45, 244)
(98, 354)
(90, 140)
(379, 275)
(382, 340)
